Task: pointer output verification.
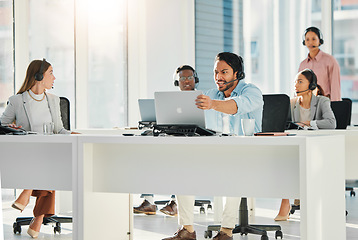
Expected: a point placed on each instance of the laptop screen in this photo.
(147, 110)
(178, 108)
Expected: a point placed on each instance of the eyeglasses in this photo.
(190, 78)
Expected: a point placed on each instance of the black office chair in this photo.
(274, 118)
(349, 110)
(342, 111)
(22, 221)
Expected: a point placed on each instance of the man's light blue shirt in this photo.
(249, 103)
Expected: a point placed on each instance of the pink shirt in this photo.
(327, 71)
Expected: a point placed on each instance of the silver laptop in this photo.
(178, 108)
(147, 110)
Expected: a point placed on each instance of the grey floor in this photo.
(158, 226)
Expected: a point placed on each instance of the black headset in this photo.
(241, 75)
(39, 75)
(181, 68)
(316, 31)
(313, 83)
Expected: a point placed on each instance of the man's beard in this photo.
(227, 86)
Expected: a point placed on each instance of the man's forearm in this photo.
(224, 106)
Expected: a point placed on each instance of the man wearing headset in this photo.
(186, 78)
(232, 101)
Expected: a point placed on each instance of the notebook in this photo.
(147, 110)
(178, 108)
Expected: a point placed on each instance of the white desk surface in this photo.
(351, 146)
(98, 167)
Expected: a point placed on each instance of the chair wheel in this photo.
(346, 212)
(208, 234)
(209, 206)
(16, 228)
(57, 229)
(292, 211)
(278, 234)
(264, 237)
(202, 209)
(353, 193)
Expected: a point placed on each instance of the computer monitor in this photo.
(147, 110)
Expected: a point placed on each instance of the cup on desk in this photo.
(48, 128)
(248, 126)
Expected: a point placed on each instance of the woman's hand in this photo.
(305, 123)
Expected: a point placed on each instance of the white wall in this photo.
(161, 36)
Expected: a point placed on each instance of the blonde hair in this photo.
(33, 68)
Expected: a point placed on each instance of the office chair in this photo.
(350, 109)
(342, 111)
(22, 221)
(274, 118)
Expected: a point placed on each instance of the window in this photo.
(107, 64)
(273, 31)
(218, 28)
(51, 36)
(345, 49)
(6, 53)
(266, 33)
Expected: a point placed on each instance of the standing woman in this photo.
(324, 65)
(30, 108)
(308, 110)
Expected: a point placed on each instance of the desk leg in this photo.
(100, 215)
(322, 200)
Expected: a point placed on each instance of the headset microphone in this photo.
(231, 81)
(303, 91)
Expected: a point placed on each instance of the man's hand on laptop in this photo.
(204, 102)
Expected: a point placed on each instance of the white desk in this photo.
(351, 146)
(277, 167)
(103, 166)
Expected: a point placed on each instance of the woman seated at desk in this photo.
(308, 111)
(29, 109)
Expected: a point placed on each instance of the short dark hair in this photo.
(234, 61)
(185, 67)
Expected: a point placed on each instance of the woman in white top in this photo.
(30, 108)
(308, 111)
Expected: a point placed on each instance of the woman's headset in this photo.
(316, 31)
(181, 68)
(39, 75)
(313, 83)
